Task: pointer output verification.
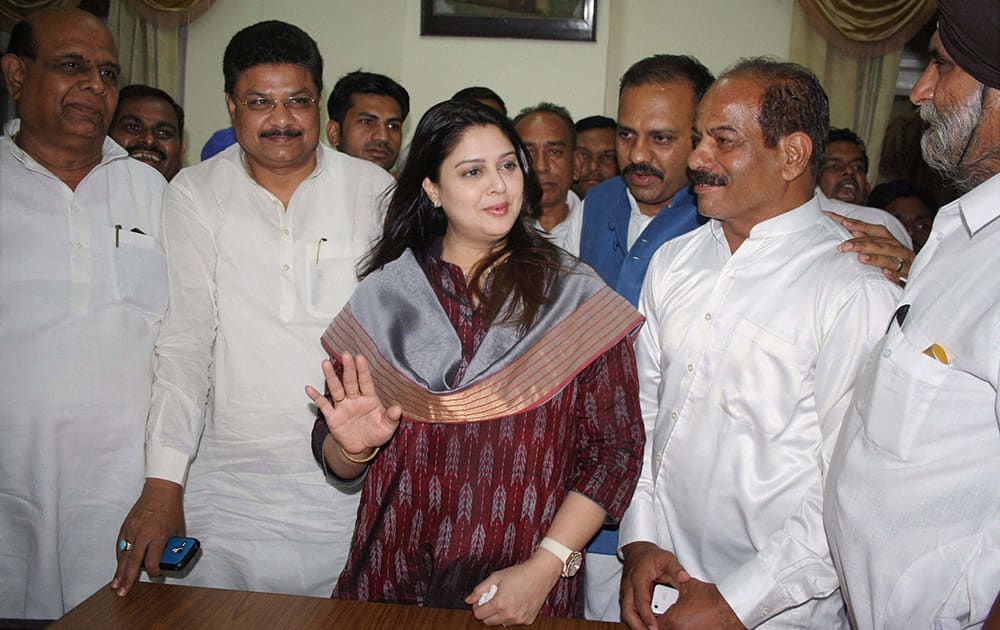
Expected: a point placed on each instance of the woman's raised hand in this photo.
(357, 419)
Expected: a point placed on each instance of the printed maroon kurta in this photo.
(444, 505)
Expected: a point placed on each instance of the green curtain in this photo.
(854, 47)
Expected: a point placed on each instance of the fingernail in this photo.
(864, 257)
(114, 584)
(121, 592)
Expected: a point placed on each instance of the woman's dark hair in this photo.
(412, 221)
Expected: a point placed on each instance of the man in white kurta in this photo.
(913, 493)
(253, 287)
(254, 281)
(83, 288)
(756, 326)
(550, 136)
(561, 233)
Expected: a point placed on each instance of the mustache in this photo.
(642, 168)
(290, 133)
(147, 148)
(706, 178)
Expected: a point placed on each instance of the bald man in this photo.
(83, 288)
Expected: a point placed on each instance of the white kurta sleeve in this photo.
(183, 354)
(639, 522)
(571, 240)
(794, 565)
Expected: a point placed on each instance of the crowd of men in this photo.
(821, 404)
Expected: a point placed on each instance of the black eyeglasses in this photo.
(292, 103)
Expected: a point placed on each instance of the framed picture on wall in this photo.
(531, 19)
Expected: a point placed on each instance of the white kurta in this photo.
(746, 366)
(913, 495)
(78, 317)
(252, 288)
(866, 214)
(560, 234)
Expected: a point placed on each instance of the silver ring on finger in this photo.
(899, 265)
(124, 546)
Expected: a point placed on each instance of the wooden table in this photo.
(182, 607)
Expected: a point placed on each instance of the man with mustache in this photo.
(595, 153)
(149, 124)
(756, 327)
(262, 242)
(912, 503)
(367, 111)
(83, 289)
(626, 219)
(548, 132)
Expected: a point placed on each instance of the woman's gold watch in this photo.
(571, 559)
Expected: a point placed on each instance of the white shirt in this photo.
(746, 364)
(637, 221)
(78, 317)
(561, 233)
(866, 214)
(253, 287)
(913, 495)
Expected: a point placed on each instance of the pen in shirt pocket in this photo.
(118, 229)
(935, 351)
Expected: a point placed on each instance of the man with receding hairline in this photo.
(756, 327)
(83, 288)
(547, 131)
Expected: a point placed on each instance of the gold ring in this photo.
(337, 402)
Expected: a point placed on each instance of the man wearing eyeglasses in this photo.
(262, 242)
(83, 289)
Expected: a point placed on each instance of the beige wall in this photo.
(384, 36)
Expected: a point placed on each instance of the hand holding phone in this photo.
(178, 553)
(663, 598)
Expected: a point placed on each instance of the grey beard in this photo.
(946, 142)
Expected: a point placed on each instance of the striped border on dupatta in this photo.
(596, 325)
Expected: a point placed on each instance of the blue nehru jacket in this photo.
(604, 236)
(604, 246)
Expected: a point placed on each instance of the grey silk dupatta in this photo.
(395, 320)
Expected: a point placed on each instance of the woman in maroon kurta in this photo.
(516, 421)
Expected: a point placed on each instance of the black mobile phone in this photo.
(178, 553)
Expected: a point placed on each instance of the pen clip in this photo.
(319, 244)
(118, 229)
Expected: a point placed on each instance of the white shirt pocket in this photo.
(893, 405)
(140, 272)
(330, 280)
(761, 381)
